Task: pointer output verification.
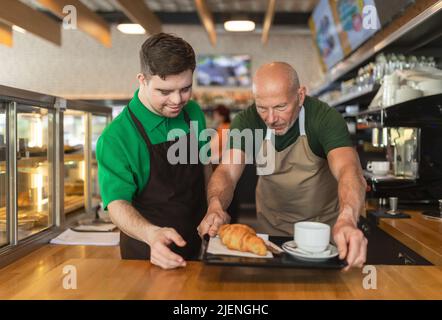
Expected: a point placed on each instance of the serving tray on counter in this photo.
(283, 260)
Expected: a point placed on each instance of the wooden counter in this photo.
(102, 275)
(422, 235)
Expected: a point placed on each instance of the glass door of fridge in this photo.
(34, 170)
(4, 221)
(74, 136)
(98, 123)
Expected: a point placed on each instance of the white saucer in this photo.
(290, 248)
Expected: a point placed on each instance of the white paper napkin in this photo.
(217, 247)
(105, 227)
(70, 237)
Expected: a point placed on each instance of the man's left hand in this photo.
(351, 243)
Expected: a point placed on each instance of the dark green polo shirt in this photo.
(122, 154)
(324, 126)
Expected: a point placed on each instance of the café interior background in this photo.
(98, 81)
(82, 68)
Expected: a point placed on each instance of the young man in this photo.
(156, 204)
(316, 174)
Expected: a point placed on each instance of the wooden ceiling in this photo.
(213, 5)
(44, 18)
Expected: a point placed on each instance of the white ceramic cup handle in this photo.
(369, 167)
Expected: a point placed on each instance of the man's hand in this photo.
(215, 218)
(160, 254)
(346, 168)
(352, 245)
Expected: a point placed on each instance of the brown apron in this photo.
(301, 187)
(174, 197)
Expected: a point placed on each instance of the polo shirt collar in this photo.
(148, 119)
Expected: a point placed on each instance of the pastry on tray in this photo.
(242, 238)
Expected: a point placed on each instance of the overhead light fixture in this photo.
(18, 29)
(131, 28)
(239, 25)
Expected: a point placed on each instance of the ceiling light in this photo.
(239, 25)
(18, 29)
(131, 28)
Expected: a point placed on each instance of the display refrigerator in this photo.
(82, 126)
(48, 168)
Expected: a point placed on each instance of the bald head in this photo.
(275, 78)
(278, 95)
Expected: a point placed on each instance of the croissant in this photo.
(242, 238)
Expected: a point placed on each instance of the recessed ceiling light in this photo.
(131, 28)
(18, 29)
(239, 25)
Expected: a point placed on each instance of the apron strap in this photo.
(140, 128)
(302, 121)
(268, 134)
(192, 131)
(186, 118)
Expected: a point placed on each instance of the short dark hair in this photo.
(164, 54)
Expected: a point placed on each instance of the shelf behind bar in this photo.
(354, 95)
(369, 111)
(421, 101)
(387, 177)
(360, 56)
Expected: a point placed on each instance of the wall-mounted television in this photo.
(223, 70)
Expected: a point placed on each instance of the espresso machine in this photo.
(410, 134)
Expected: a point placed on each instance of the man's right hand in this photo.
(159, 239)
(215, 218)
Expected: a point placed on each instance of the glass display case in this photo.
(74, 129)
(47, 164)
(34, 169)
(3, 178)
(83, 123)
(99, 122)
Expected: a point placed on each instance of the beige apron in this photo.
(301, 188)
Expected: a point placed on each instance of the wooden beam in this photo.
(14, 12)
(206, 19)
(87, 20)
(5, 34)
(139, 12)
(268, 21)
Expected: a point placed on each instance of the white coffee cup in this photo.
(312, 236)
(379, 167)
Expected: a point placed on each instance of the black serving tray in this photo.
(283, 260)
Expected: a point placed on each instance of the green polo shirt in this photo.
(324, 126)
(122, 154)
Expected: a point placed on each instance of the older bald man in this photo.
(316, 176)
